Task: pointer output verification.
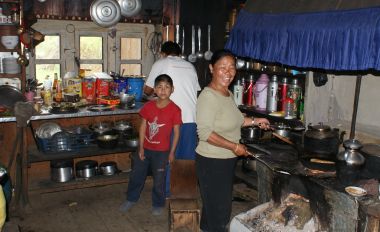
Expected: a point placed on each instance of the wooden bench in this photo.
(184, 210)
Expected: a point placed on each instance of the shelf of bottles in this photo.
(277, 94)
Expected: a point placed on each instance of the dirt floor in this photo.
(97, 210)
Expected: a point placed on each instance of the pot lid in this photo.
(129, 8)
(105, 13)
(86, 164)
(320, 127)
(108, 164)
(352, 144)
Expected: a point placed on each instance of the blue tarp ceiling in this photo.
(332, 40)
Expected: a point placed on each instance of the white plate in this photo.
(356, 191)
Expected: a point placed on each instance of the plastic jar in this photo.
(289, 108)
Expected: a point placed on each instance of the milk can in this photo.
(282, 93)
(238, 92)
(248, 97)
(272, 94)
(261, 89)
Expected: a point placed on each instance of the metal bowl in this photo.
(47, 130)
(108, 141)
(132, 142)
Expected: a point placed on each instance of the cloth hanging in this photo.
(333, 40)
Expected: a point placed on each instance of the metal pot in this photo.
(251, 133)
(320, 141)
(371, 154)
(123, 126)
(108, 141)
(281, 129)
(86, 168)
(101, 127)
(351, 154)
(61, 170)
(108, 168)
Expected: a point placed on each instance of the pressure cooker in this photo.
(321, 141)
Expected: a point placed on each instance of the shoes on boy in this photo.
(156, 211)
(126, 206)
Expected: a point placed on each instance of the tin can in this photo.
(102, 87)
(73, 85)
(89, 89)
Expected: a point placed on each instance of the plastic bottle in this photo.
(261, 89)
(272, 94)
(288, 108)
(47, 83)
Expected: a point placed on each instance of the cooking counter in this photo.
(83, 112)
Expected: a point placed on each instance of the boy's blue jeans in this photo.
(156, 160)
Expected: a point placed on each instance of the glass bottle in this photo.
(289, 108)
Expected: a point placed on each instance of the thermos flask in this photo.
(272, 94)
(260, 90)
(238, 92)
(294, 92)
(248, 92)
(282, 93)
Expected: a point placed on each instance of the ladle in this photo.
(199, 53)
(183, 56)
(192, 57)
(208, 53)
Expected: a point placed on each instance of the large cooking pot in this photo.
(320, 141)
(251, 133)
(108, 168)
(371, 154)
(61, 170)
(86, 169)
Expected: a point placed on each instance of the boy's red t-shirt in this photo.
(160, 123)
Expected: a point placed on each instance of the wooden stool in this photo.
(184, 208)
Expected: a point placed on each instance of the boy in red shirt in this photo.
(159, 118)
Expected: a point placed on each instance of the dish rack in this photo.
(66, 141)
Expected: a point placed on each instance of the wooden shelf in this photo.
(47, 186)
(34, 155)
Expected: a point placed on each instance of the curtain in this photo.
(332, 40)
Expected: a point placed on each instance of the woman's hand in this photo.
(263, 123)
(240, 149)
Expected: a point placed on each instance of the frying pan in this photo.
(9, 95)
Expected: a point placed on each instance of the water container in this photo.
(135, 86)
(261, 89)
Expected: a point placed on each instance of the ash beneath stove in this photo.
(293, 215)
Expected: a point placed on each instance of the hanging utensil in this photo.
(258, 157)
(177, 34)
(183, 56)
(208, 53)
(199, 53)
(105, 13)
(129, 8)
(192, 56)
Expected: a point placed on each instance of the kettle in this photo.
(351, 154)
(321, 141)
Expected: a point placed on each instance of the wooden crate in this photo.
(184, 213)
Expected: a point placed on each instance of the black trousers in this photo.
(215, 178)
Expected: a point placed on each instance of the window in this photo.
(48, 58)
(91, 52)
(73, 45)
